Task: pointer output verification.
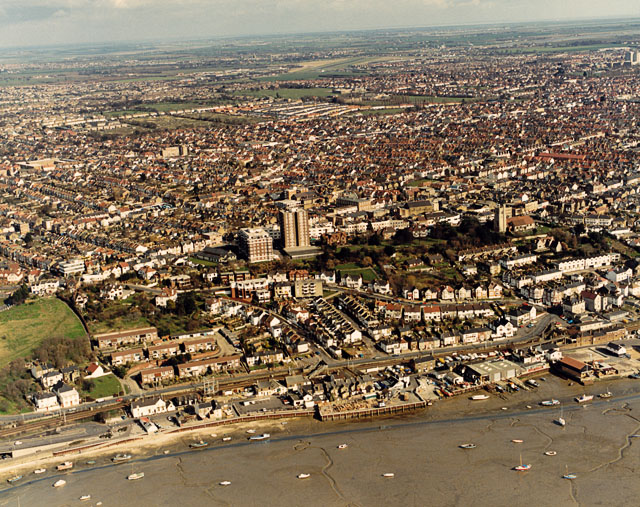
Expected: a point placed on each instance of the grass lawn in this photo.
(202, 262)
(23, 327)
(368, 274)
(109, 385)
(288, 93)
(117, 324)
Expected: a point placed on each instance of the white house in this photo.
(45, 401)
(150, 406)
(68, 396)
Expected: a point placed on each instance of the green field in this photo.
(368, 274)
(23, 327)
(109, 385)
(117, 324)
(288, 93)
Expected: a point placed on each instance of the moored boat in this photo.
(478, 397)
(59, 483)
(199, 444)
(67, 465)
(343, 446)
(85, 497)
(584, 398)
(119, 458)
(605, 395)
(517, 441)
(467, 446)
(136, 476)
(226, 439)
(550, 453)
(521, 467)
(39, 470)
(14, 479)
(561, 422)
(549, 403)
(389, 475)
(264, 436)
(304, 476)
(251, 431)
(569, 476)
(225, 483)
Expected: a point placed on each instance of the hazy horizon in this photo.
(59, 22)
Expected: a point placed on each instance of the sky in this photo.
(51, 22)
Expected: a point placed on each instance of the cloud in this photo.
(25, 22)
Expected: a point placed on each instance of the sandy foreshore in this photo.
(421, 449)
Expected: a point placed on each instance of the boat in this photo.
(251, 431)
(584, 398)
(85, 497)
(304, 476)
(166, 451)
(264, 436)
(521, 467)
(517, 441)
(389, 475)
(59, 483)
(136, 476)
(199, 444)
(343, 446)
(39, 470)
(561, 422)
(569, 476)
(478, 397)
(14, 479)
(119, 458)
(91, 462)
(605, 395)
(225, 483)
(550, 453)
(226, 439)
(549, 403)
(67, 465)
(467, 446)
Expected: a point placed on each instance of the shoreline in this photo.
(450, 411)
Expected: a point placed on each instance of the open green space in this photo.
(109, 385)
(288, 93)
(24, 327)
(128, 321)
(350, 268)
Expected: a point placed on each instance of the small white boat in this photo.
(517, 441)
(389, 475)
(251, 431)
(549, 403)
(225, 483)
(521, 467)
(343, 446)
(85, 497)
(18, 442)
(478, 397)
(67, 465)
(166, 451)
(226, 439)
(561, 421)
(605, 395)
(120, 458)
(59, 483)
(584, 398)
(264, 436)
(467, 446)
(304, 476)
(39, 470)
(135, 477)
(214, 435)
(550, 453)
